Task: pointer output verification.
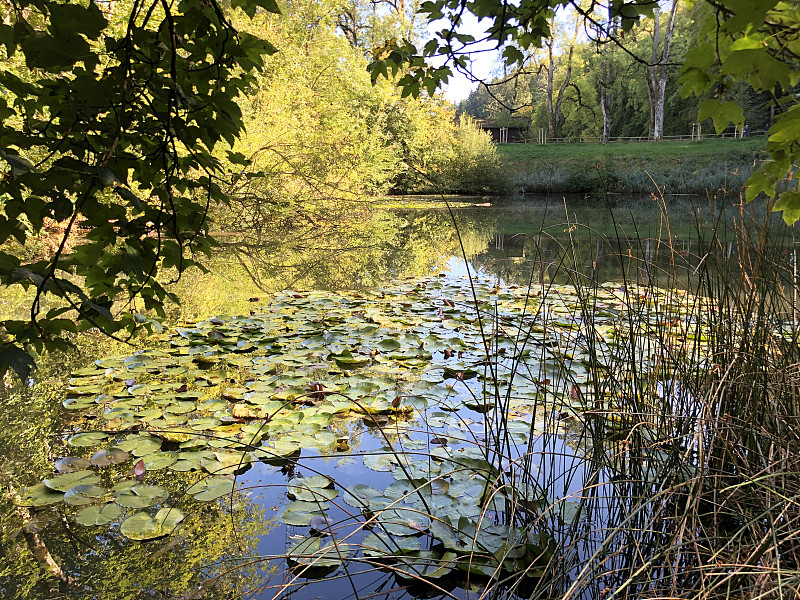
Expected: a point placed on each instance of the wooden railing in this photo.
(543, 139)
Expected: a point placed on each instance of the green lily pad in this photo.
(91, 438)
(84, 494)
(379, 545)
(211, 488)
(95, 515)
(140, 445)
(191, 461)
(301, 513)
(425, 565)
(141, 526)
(316, 553)
(360, 495)
(112, 456)
(311, 489)
(180, 408)
(69, 464)
(403, 521)
(66, 481)
(140, 496)
(160, 460)
(39, 495)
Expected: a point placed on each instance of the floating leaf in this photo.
(361, 495)
(425, 565)
(312, 553)
(95, 515)
(403, 521)
(39, 495)
(66, 481)
(91, 438)
(140, 445)
(84, 494)
(211, 488)
(69, 464)
(159, 460)
(306, 494)
(140, 496)
(378, 545)
(113, 456)
(301, 513)
(140, 526)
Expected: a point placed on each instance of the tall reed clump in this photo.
(669, 455)
(663, 452)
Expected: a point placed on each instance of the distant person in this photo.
(746, 131)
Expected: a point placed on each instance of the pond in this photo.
(417, 412)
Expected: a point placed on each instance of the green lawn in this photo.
(676, 167)
(656, 150)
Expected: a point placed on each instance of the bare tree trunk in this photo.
(657, 71)
(551, 120)
(605, 107)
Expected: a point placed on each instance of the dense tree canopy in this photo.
(740, 41)
(111, 120)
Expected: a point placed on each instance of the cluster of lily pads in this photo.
(440, 514)
(424, 355)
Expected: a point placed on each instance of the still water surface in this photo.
(233, 548)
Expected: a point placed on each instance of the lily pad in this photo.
(81, 495)
(112, 456)
(66, 481)
(69, 464)
(425, 565)
(91, 438)
(311, 489)
(313, 553)
(140, 445)
(211, 488)
(301, 513)
(95, 515)
(160, 460)
(141, 526)
(39, 495)
(379, 545)
(140, 496)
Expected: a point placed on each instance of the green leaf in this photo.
(211, 488)
(313, 553)
(301, 513)
(140, 496)
(95, 515)
(39, 495)
(250, 6)
(91, 438)
(15, 358)
(789, 203)
(722, 113)
(66, 481)
(140, 526)
(84, 494)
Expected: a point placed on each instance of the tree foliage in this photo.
(741, 41)
(113, 119)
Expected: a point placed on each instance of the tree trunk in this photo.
(551, 121)
(605, 107)
(657, 71)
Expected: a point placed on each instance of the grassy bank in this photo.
(683, 167)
